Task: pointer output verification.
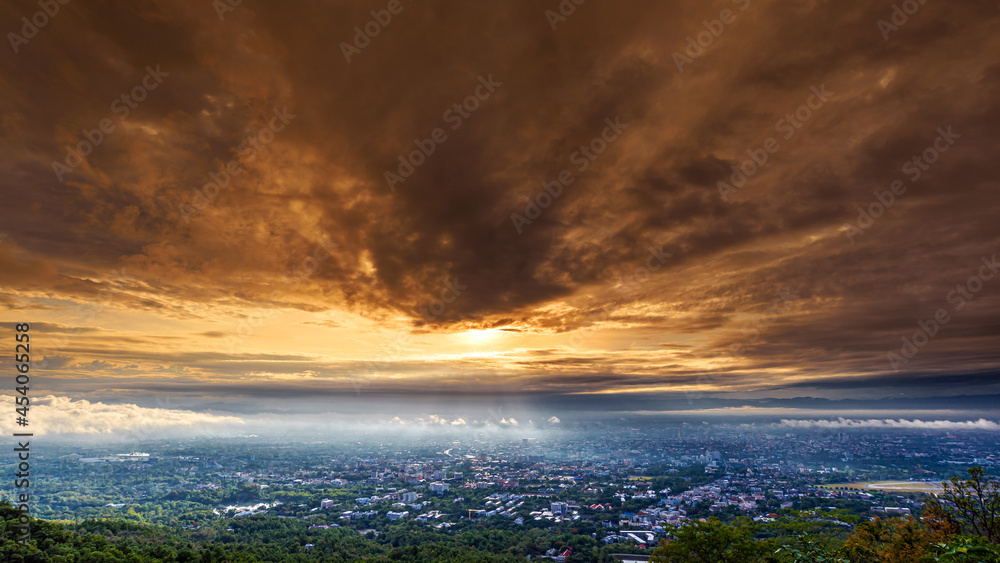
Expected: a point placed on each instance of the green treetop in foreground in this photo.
(960, 526)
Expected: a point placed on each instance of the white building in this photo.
(397, 515)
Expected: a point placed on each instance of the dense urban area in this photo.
(491, 496)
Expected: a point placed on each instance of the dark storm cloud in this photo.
(931, 381)
(318, 190)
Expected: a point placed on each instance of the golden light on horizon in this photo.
(482, 336)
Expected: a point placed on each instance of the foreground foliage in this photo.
(960, 526)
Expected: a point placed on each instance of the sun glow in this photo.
(480, 336)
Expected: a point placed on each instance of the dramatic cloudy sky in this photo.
(306, 276)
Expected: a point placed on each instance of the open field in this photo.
(891, 486)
